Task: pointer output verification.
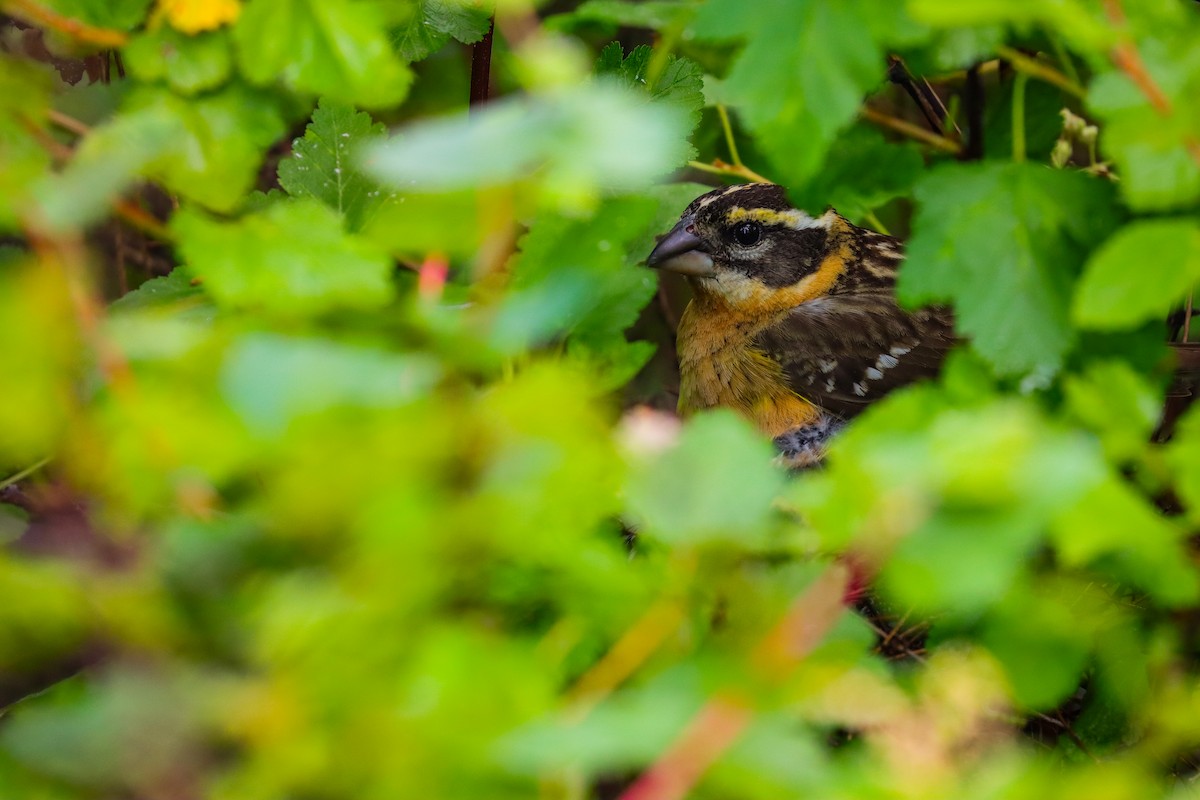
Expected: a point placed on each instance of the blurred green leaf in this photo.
(415, 224)
(123, 14)
(291, 259)
(1154, 141)
(338, 49)
(1118, 404)
(1146, 549)
(1003, 242)
(215, 154)
(321, 164)
(188, 64)
(1039, 639)
(717, 482)
(653, 14)
(170, 291)
(680, 84)
(268, 379)
(1140, 273)
(24, 96)
(573, 145)
(105, 163)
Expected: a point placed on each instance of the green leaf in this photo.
(717, 482)
(653, 14)
(1139, 274)
(179, 288)
(572, 144)
(122, 14)
(1155, 143)
(1113, 400)
(604, 252)
(681, 84)
(335, 48)
(291, 259)
(188, 64)
(24, 96)
(214, 157)
(804, 70)
(107, 160)
(432, 23)
(1003, 243)
(1039, 640)
(321, 164)
(268, 379)
(1131, 540)
(413, 225)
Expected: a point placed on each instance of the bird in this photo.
(793, 321)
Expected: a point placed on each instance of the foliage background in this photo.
(322, 482)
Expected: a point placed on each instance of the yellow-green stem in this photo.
(729, 140)
(1018, 117)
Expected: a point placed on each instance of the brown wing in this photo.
(843, 352)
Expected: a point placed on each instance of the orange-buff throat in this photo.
(718, 364)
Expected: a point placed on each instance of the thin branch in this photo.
(912, 131)
(1036, 69)
(730, 141)
(876, 223)
(68, 123)
(921, 93)
(481, 66)
(25, 473)
(80, 31)
(719, 167)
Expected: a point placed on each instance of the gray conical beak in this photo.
(681, 251)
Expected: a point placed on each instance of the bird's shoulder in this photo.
(845, 351)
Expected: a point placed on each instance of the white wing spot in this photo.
(860, 389)
(886, 362)
(900, 351)
(829, 386)
(827, 365)
(873, 374)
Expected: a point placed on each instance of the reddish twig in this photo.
(723, 718)
(1127, 59)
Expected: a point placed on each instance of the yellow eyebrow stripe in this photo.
(790, 217)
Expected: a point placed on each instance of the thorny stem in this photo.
(729, 140)
(1018, 117)
(912, 131)
(1031, 67)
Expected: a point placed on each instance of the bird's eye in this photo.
(747, 233)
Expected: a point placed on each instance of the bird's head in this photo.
(747, 245)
